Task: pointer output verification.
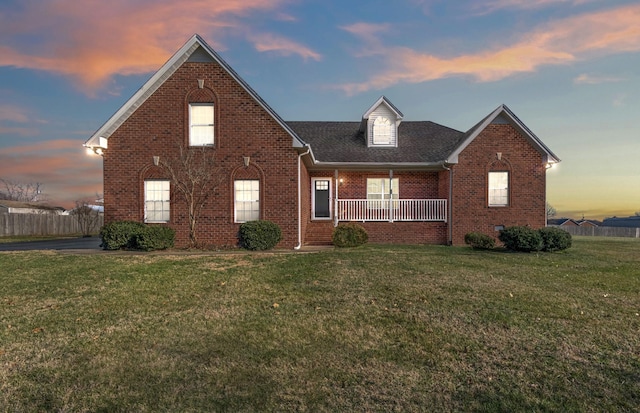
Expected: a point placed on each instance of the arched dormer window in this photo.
(381, 131)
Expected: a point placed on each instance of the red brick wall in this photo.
(470, 189)
(242, 128)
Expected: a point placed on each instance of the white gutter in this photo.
(450, 207)
(300, 155)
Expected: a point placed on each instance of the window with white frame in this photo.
(382, 131)
(380, 190)
(156, 201)
(247, 200)
(499, 188)
(201, 124)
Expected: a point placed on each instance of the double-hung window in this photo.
(380, 190)
(201, 130)
(247, 200)
(156, 201)
(499, 188)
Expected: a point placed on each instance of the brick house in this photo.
(404, 181)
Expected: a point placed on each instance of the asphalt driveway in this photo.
(82, 243)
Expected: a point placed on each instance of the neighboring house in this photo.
(562, 222)
(628, 222)
(589, 223)
(569, 222)
(18, 207)
(404, 181)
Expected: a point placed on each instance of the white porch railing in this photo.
(391, 210)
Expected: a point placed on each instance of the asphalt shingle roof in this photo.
(421, 142)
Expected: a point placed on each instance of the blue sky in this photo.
(570, 69)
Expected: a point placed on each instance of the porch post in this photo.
(390, 195)
(335, 201)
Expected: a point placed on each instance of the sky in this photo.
(569, 69)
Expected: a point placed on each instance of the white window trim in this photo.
(313, 199)
(162, 196)
(498, 196)
(251, 200)
(211, 125)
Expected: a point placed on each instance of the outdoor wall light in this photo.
(99, 151)
(341, 180)
(548, 165)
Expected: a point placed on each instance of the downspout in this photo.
(450, 206)
(300, 155)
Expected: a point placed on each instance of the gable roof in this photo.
(195, 48)
(505, 113)
(421, 144)
(383, 101)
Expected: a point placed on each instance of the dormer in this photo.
(381, 122)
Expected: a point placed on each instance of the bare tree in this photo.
(195, 177)
(87, 216)
(19, 191)
(551, 211)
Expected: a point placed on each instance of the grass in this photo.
(377, 328)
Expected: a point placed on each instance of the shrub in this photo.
(349, 235)
(520, 238)
(259, 235)
(479, 241)
(120, 234)
(136, 236)
(555, 239)
(155, 237)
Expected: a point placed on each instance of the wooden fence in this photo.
(41, 224)
(603, 231)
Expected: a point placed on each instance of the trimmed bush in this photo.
(120, 234)
(154, 238)
(349, 235)
(259, 235)
(554, 239)
(136, 236)
(520, 238)
(479, 241)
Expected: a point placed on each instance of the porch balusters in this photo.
(392, 210)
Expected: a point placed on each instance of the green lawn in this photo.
(377, 328)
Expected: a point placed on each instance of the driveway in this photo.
(83, 243)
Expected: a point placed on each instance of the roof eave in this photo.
(430, 166)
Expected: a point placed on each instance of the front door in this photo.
(321, 198)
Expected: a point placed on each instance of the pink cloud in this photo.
(560, 42)
(95, 40)
(367, 31)
(13, 114)
(52, 163)
(494, 5)
(265, 42)
(595, 79)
